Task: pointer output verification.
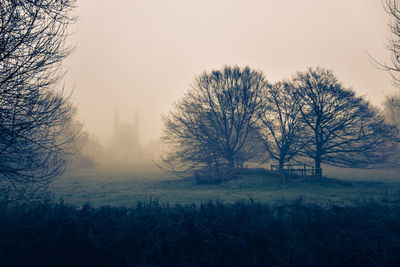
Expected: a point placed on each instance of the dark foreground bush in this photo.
(242, 234)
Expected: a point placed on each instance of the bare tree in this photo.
(281, 128)
(211, 124)
(392, 8)
(35, 132)
(346, 130)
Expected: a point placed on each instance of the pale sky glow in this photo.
(143, 54)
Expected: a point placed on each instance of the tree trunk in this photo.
(231, 163)
(318, 146)
(281, 164)
(228, 173)
(318, 170)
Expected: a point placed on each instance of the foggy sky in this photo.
(143, 54)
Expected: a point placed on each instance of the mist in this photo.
(199, 133)
(139, 57)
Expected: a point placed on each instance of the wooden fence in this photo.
(295, 169)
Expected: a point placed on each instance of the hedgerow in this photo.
(211, 234)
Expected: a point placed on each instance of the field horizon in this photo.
(125, 185)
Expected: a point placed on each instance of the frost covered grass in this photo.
(127, 185)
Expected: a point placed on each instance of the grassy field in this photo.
(258, 219)
(125, 185)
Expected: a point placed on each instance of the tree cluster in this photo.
(36, 130)
(234, 115)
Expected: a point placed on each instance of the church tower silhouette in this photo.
(126, 143)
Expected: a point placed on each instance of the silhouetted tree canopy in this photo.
(35, 117)
(281, 125)
(346, 130)
(211, 124)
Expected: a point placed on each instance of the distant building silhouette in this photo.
(125, 145)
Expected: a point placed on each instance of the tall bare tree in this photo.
(346, 130)
(281, 126)
(211, 124)
(35, 132)
(392, 8)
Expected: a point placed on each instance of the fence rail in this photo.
(296, 169)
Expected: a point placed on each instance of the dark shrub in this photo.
(213, 234)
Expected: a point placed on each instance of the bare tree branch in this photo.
(281, 128)
(346, 130)
(35, 116)
(215, 120)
